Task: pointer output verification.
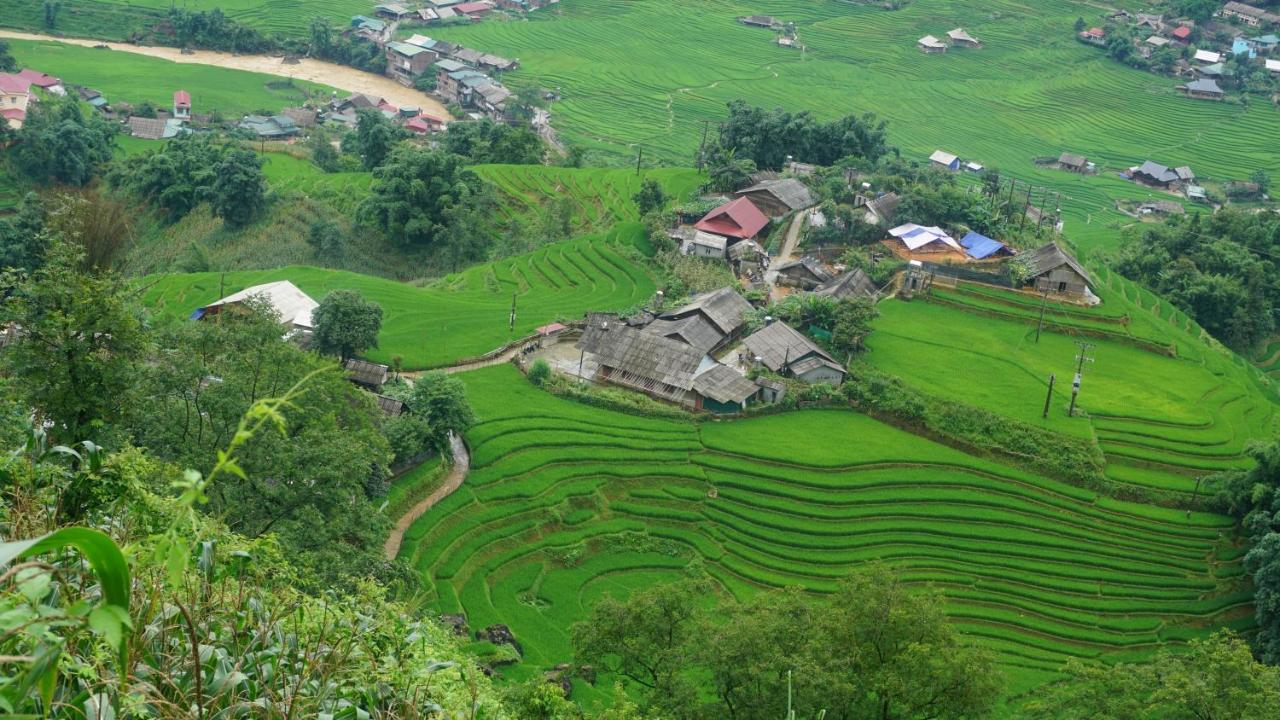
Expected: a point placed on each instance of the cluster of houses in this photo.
(18, 91)
(1203, 61)
(442, 11)
(955, 38)
(463, 76)
(1176, 180)
(952, 162)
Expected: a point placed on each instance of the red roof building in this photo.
(13, 84)
(182, 99)
(1182, 34)
(737, 219)
(472, 8)
(39, 79)
(1094, 33)
(424, 123)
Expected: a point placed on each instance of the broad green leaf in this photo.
(101, 551)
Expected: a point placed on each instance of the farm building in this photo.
(293, 306)
(736, 219)
(764, 21)
(942, 158)
(930, 44)
(1157, 41)
(44, 81)
(395, 11)
(1196, 193)
(981, 247)
(15, 95)
(1181, 34)
(1150, 173)
(1073, 162)
(367, 374)
(705, 244)
(391, 406)
(422, 123)
(1273, 65)
(785, 351)
(303, 117)
(1094, 36)
(747, 252)
(1215, 70)
(1203, 89)
(270, 128)
(1051, 270)
(911, 240)
(853, 284)
(805, 273)
(776, 198)
(473, 9)
(1208, 57)
(1184, 173)
(1151, 20)
(182, 105)
(723, 309)
(1248, 14)
(721, 389)
(406, 62)
(550, 334)
(696, 331)
(963, 39)
(1161, 207)
(881, 209)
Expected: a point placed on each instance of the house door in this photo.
(1062, 287)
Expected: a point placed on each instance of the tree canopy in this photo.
(769, 137)
(59, 143)
(346, 324)
(415, 192)
(485, 141)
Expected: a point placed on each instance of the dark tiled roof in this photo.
(366, 373)
(724, 385)
(854, 283)
(1048, 257)
(780, 344)
(725, 308)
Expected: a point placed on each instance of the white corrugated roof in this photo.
(1208, 56)
(917, 236)
(943, 157)
(1273, 65)
(293, 305)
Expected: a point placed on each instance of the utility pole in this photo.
(702, 147)
(1044, 201)
(1194, 494)
(511, 325)
(1080, 361)
(1013, 183)
(1048, 396)
(638, 159)
(1044, 300)
(1023, 211)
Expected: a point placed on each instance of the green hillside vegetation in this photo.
(118, 19)
(1062, 96)
(459, 316)
(565, 503)
(125, 77)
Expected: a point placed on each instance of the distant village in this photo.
(1235, 51)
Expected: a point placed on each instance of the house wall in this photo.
(822, 375)
(8, 101)
(1061, 280)
(703, 251)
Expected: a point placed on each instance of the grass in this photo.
(412, 486)
(459, 316)
(137, 78)
(567, 502)
(117, 19)
(1031, 91)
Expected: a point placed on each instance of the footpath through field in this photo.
(319, 71)
(452, 481)
(784, 253)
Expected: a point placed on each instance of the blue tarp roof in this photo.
(980, 246)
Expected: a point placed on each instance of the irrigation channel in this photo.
(318, 71)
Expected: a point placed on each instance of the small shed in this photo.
(963, 39)
(367, 374)
(805, 273)
(930, 44)
(549, 335)
(705, 244)
(182, 105)
(1196, 193)
(1073, 162)
(391, 406)
(1052, 270)
(942, 158)
(981, 247)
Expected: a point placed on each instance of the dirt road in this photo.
(788, 247)
(458, 473)
(326, 73)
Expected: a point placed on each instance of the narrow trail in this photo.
(452, 481)
(499, 359)
(318, 71)
(788, 247)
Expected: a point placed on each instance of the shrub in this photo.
(539, 372)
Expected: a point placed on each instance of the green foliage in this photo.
(346, 324)
(1214, 678)
(23, 241)
(847, 320)
(7, 61)
(176, 177)
(769, 137)
(326, 240)
(539, 372)
(488, 142)
(374, 138)
(416, 193)
(650, 197)
(60, 143)
(238, 193)
(441, 400)
(323, 154)
(81, 339)
(689, 275)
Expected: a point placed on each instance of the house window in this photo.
(1062, 287)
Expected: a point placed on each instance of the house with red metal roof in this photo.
(738, 219)
(424, 123)
(473, 8)
(1182, 34)
(15, 95)
(182, 105)
(41, 80)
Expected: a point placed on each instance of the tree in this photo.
(1214, 678)
(1260, 178)
(7, 62)
(22, 238)
(769, 137)
(58, 143)
(51, 14)
(488, 142)
(176, 178)
(76, 359)
(346, 324)
(414, 193)
(726, 172)
(374, 138)
(238, 192)
(539, 372)
(326, 241)
(442, 401)
(1080, 25)
(650, 196)
(323, 154)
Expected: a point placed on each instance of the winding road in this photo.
(318, 71)
(452, 481)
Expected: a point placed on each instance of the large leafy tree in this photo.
(59, 143)
(374, 138)
(441, 400)
(416, 191)
(769, 137)
(7, 62)
(22, 238)
(239, 190)
(81, 340)
(488, 142)
(176, 178)
(346, 324)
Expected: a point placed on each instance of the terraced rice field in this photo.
(1161, 421)
(125, 77)
(567, 502)
(115, 19)
(459, 316)
(1033, 90)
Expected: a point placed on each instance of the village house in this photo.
(1073, 162)
(460, 86)
(737, 219)
(851, 284)
(154, 128)
(776, 198)
(275, 127)
(395, 11)
(1207, 57)
(787, 352)
(1094, 36)
(963, 39)
(747, 256)
(881, 209)
(44, 81)
(368, 375)
(1242, 46)
(491, 99)
(15, 98)
(944, 159)
(1161, 207)
(301, 116)
(182, 105)
(474, 10)
(1273, 65)
(1155, 174)
(1248, 14)
(1150, 20)
(496, 63)
(805, 273)
(1157, 42)
(912, 241)
(930, 44)
(1052, 270)
(1203, 89)
(406, 62)
(368, 28)
(981, 247)
(550, 333)
(290, 304)
(422, 124)
(705, 244)
(1182, 34)
(1196, 193)
(724, 310)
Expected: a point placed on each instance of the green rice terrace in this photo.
(117, 19)
(566, 502)
(459, 316)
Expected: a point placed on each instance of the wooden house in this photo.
(1052, 270)
(1073, 162)
(785, 351)
(852, 284)
(723, 309)
(369, 375)
(1155, 174)
(963, 39)
(930, 44)
(290, 304)
(944, 159)
(776, 198)
(805, 273)
(1204, 89)
(705, 244)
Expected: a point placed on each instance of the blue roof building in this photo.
(1241, 47)
(981, 247)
